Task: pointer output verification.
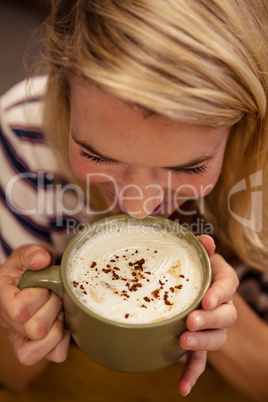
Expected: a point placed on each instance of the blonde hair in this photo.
(195, 61)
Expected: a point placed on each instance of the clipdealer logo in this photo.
(255, 219)
(51, 198)
(58, 198)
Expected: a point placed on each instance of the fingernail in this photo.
(192, 340)
(200, 321)
(37, 255)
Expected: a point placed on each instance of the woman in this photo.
(147, 105)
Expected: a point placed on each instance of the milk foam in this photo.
(136, 276)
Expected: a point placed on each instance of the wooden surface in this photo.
(81, 380)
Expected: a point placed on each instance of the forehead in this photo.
(127, 133)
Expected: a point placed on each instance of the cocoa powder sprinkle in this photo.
(155, 293)
(106, 270)
(167, 302)
(115, 276)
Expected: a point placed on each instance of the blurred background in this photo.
(19, 22)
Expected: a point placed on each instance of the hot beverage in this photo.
(136, 274)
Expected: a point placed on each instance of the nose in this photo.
(140, 200)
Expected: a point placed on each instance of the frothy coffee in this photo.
(135, 274)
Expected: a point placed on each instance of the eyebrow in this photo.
(194, 162)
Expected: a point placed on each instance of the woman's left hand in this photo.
(206, 326)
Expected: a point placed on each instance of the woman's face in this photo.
(142, 163)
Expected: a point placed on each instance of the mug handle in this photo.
(49, 278)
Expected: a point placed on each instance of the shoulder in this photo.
(22, 105)
(21, 124)
(25, 91)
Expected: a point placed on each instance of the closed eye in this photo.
(190, 171)
(187, 171)
(94, 158)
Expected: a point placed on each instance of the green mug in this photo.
(125, 347)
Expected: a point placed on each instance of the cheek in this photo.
(194, 186)
(212, 176)
(208, 183)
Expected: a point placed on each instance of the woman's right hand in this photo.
(32, 316)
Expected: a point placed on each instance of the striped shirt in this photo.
(39, 206)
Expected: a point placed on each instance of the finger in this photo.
(224, 283)
(222, 317)
(213, 339)
(208, 243)
(60, 352)
(40, 323)
(194, 367)
(19, 306)
(30, 352)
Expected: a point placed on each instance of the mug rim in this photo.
(163, 322)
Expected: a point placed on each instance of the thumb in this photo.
(33, 257)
